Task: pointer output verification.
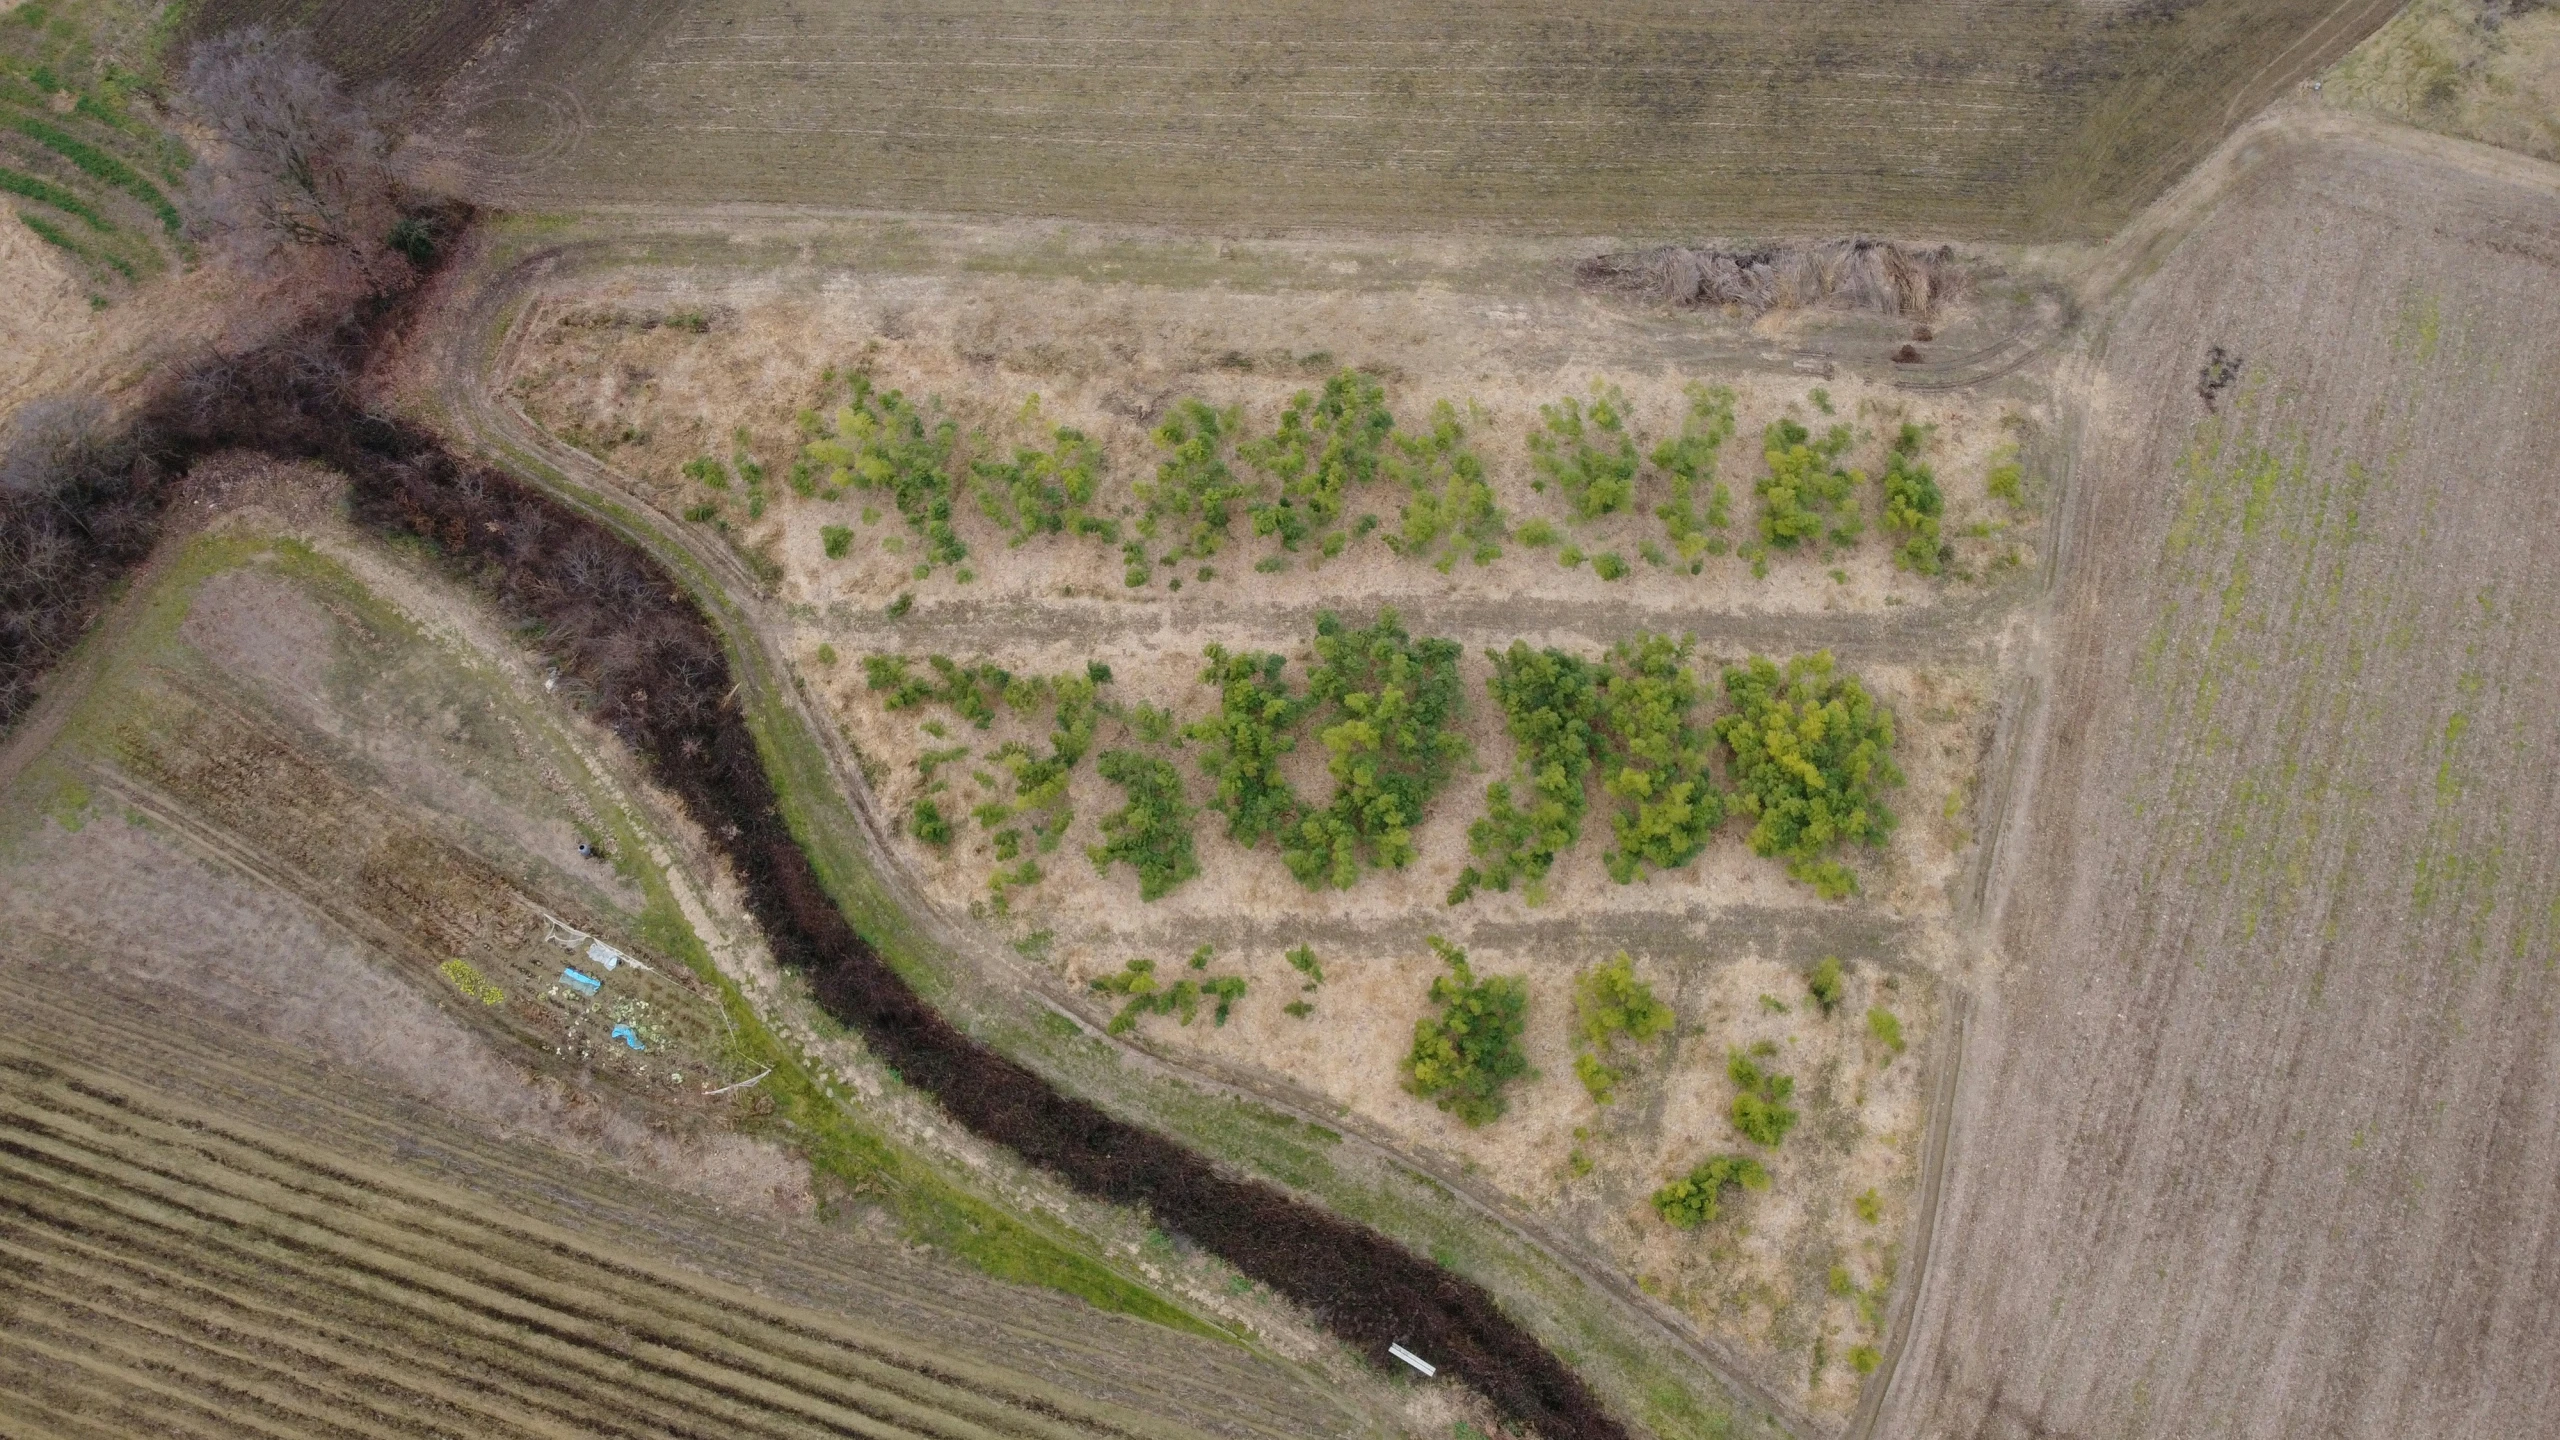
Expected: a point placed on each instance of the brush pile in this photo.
(1876, 276)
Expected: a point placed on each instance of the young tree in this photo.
(1465, 1053)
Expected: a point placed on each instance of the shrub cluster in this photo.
(1325, 444)
(1760, 1111)
(1658, 759)
(1255, 725)
(1805, 488)
(1463, 1055)
(1912, 504)
(1046, 492)
(1153, 831)
(1551, 705)
(1688, 461)
(1451, 502)
(1195, 491)
(1146, 995)
(1393, 700)
(878, 439)
(1697, 1198)
(1809, 758)
(1610, 1003)
(1587, 454)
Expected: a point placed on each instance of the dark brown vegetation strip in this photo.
(661, 681)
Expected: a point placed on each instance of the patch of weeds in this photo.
(878, 439)
(1193, 496)
(1327, 442)
(1806, 488)
(1465, 1053)
(1887, 1028)
(835, 540)
(466, 977)
(1825, 984)
(1452, 500)
(1870, 1206)
(1046, 492)
(1148, 996)
(1913, 507)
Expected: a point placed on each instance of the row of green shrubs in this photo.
(1297, 483)
(1805, 754)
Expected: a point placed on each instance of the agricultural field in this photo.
(313, 797)
(2045, 120)
(272, 1246)
(2258, 1116)
(1033, 704)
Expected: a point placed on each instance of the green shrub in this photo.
(929, 824)
(1697, 1198)
(1192, 499)
(1870, 1206)
(1865, 1358)
(826, 653)
(1391, 748)
(1551, 705)
(1887, 1028)
(898, 608)
(1610, 565)
(1825, 984)
(1760, 1111)
(1609, 1002)
(836, 539)
(1805, 487)
(1688, 460)
(1810, 755)
(1451, 498)
(1587, 454)
(1326, 444)
(1912, 505)
(1148, 996)
(1256, 724)
(1046, 492)
(708, 470)
(1537, 534)
(1463, 1055)
(2007, 480)
(1153, 831)
(1570, 557)
(1657, 759)
(878, 439)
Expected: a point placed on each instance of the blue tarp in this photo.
(625, 1034)
(588, 983)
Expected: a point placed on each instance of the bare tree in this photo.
(294, 161)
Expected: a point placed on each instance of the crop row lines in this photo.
(771, 1371)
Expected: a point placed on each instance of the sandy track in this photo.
(2255, 1132)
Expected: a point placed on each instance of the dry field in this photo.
(2047, 118)
(615, 361)
(2258, 1120)
(211, 1234)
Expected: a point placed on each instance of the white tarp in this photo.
(603, 954)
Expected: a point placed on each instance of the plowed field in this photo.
(2038, 117)
(2258, 1127)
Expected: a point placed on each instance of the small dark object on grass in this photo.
(1907, 355)
(1924, 334)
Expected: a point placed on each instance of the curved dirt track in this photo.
(2256, 1132)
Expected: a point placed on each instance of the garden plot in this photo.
(2257, 1125)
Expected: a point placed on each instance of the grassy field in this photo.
(2257, 1125)
(2043, 118)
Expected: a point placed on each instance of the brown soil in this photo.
(2256, 1123)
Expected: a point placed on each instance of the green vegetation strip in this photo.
(101, 165)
